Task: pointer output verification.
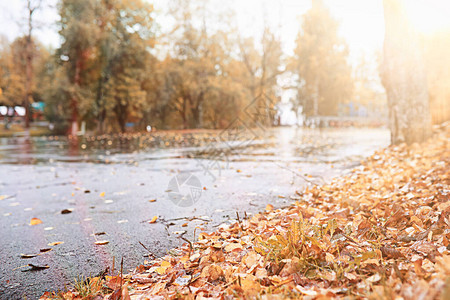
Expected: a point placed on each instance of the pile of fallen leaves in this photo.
(381, 232)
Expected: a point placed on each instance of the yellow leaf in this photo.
(165, 264)
(153, 220)
(161, 270)
(55, 243)
(269, 207)
(102, 194)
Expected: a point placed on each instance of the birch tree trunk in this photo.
(404, 79)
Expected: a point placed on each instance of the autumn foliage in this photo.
(381, 232)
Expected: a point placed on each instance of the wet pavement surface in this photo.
(112, 190)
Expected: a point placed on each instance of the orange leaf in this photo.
(35, 221)
(55, 243)
(153, 220)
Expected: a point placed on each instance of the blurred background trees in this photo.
(117, 69)
(321, 64)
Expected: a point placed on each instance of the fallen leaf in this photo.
(212, 272)
(194, 256)
(28, 255)
(307, 292)
(102, 194)
(153, 220)
(152, 200)
(98, 233)
(103, 242)
(269, 207)
(55, 243)
(374, 278)
(233, 246)
(350, 276)
(36, 268)
(66, 211)
(45, 250)
(329, 257)
(35, 221)
(390, 252)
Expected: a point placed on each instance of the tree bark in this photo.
(28, 99)
(403, 76)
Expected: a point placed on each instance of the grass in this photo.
(85, 286)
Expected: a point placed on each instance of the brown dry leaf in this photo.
(28, 255)
(36, 268)
(418, 267)
(233, 246)
(153, 220)
(424, 247)
(250, 284)
(251, 259)
(212, 272)
(35, 221)
(396, 197)
(103, 242)
(116, 295)
(390, 252)
(125, 294)
(114, 282)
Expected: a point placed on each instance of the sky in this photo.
(361, 21)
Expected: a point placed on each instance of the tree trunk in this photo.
(28, 82)
(29, 65)
(74, 100)
(404, 78)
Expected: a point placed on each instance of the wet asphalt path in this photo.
(263, 172)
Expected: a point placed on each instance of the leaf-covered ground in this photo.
(381, 232)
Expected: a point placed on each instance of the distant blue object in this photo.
(129, 124)
(38, 106)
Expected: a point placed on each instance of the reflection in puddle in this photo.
(280, 144)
